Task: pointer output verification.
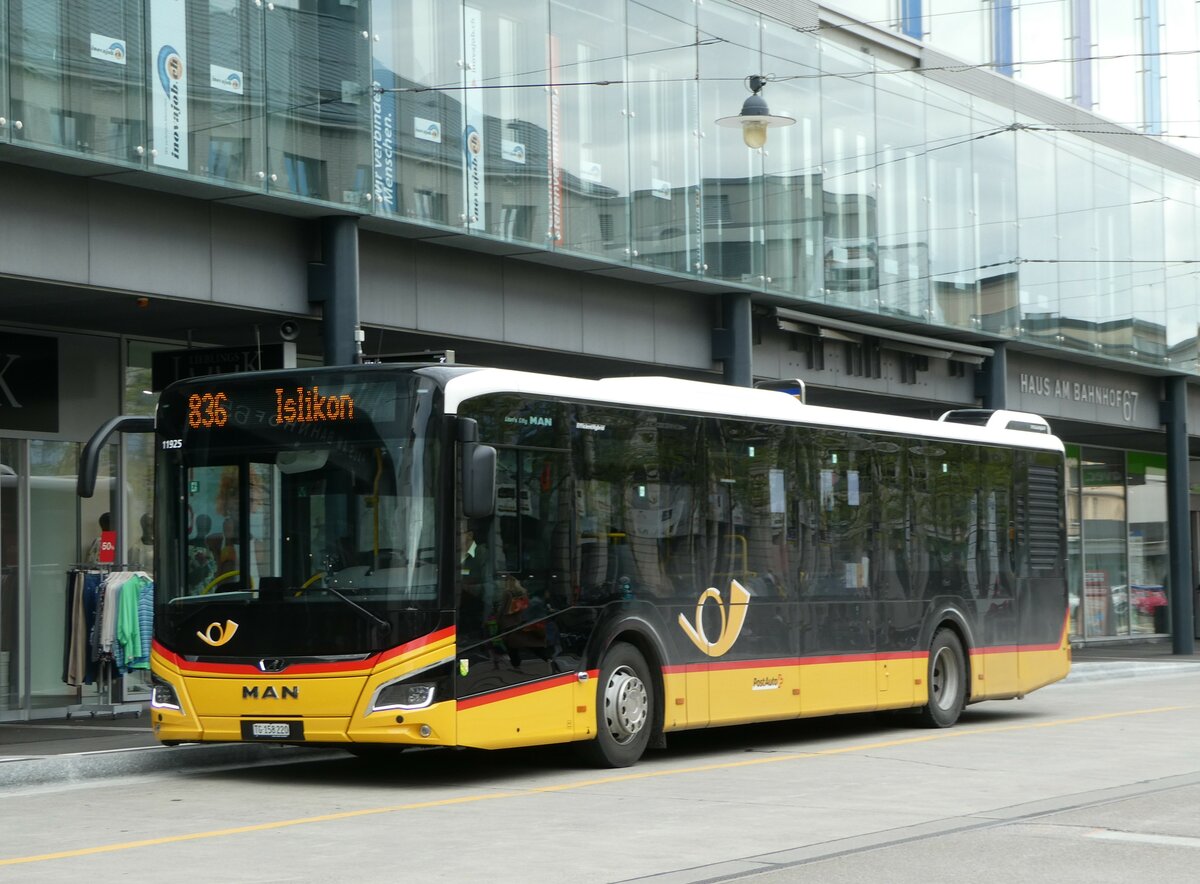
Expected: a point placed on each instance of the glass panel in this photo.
(1117, 47)
(1105, 587)
(960, 27)
(506, 47)
(589, 190)
(1180, 240)
(851, 272)
(1149, 560)
(952, 241)
(1076, 244)
(1042, 45)
(225, 91)
(319, 100)
(1111, 252)
(53, 528)
(77, 69)
(1147, 273)
(138, 464)
(731, 173)
(5, 114)
(792, 197)
(1038, 239)
(418, 134)
(1180, 35)
(903, 224)
(10, 575)
(664, 163)
(995, 201)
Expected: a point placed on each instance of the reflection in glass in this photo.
(1145, 308)
(418, 158)
(1105, 578)
(664, 163)
(952, 200)
(77, 73)
(225, 91)
(1180, 232)
(1149, 560)
(851, 257)
(589, 187)
(1037, 239)
(319, 101)
(903, 225)
(995, 217)
(1077, 234)
(507, 172)
(731, 173)
(792, 198)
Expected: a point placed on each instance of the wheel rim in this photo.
(626, 704)
(944, 679)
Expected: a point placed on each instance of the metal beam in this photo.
(1183, 630)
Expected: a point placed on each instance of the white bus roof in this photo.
(696, 397)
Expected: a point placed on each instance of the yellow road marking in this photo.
(582, 784)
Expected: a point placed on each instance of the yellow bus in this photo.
(417, 555)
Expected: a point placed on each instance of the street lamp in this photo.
(756, 117)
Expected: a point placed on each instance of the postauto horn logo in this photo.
(217, 634)
(733, 616)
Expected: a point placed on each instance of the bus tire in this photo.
(624, 709)
(947, 680)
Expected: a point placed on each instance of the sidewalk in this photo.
(35, 753)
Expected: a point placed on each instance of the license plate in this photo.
(273, 730)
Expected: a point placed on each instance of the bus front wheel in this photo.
(947, 680)
(624, 706)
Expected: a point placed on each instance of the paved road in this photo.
(1091, 781)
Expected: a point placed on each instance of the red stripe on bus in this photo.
(417, 643)
(518, 691)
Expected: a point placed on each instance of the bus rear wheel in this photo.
(947, 680)
(624, 707)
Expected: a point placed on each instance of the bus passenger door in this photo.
(517, 663)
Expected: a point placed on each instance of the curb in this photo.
(1083, 672)
(40, 770)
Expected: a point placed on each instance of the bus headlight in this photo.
(416, 690)
(163, 696)
(405, 696)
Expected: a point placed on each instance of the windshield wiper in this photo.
(383, 625)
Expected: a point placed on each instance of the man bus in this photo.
(646, 555)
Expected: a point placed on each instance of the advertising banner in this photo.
(168, 76)
(383, 132)
(473, 168)
(556, 172)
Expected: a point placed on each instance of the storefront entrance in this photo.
(45, 531)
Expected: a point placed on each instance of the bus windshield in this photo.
(301, 508)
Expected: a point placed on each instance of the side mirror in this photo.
(478, 472)
(89, 458)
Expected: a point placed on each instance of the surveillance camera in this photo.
(289, 330)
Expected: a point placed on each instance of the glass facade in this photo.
(1117, 542)
(588, 129)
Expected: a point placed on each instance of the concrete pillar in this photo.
(333, 283)
(733, 343)
(991, 381)
(1183, 631)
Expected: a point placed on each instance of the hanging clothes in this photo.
(109, 624)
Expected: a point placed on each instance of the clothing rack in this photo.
(78, 670)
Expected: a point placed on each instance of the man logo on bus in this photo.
(731, 622)
(217, 634)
